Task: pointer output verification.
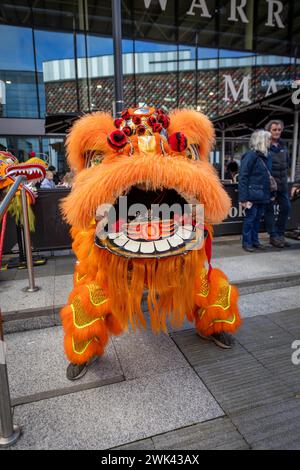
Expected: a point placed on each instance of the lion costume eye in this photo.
(192, 152)
(93, 158)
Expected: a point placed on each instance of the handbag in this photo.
(273, 183)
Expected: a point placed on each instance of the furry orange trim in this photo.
(83, 330)
(197, 128)
(86, 349)
(113, 325)
(214, 318)
(88, 133)
(206, 291)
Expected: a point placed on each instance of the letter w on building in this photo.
(163, 4)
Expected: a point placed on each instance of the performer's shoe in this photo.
(76, 371)
(250, 249)
(259, 246)
(276, 242)
(285, 243)
(223, 340)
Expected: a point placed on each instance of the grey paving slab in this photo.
(242, 383)
(37, 366)
(117, 414)
(288, 320)
(217, 434)
(264, 285)
(240, 268)
(261, 333)
(229, 248)
(28, 324)
(279, 362)
(199, 352)
(47, 269)
(7, 275)
(262, 303)
(236, 378)
(13, 298)
(273, 426)
(143, 353)
(64, 265)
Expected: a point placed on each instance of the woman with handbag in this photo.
(255, 187)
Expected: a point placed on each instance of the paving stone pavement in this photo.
(181, 393)
(167, 392)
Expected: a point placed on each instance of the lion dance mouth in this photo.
(141, 210)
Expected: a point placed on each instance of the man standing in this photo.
(280, 166)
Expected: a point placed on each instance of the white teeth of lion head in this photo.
(132, 246)
(185, 232)
(150, 247)
(147, 247)
(162, 245)
(175, 241)
(121, 240)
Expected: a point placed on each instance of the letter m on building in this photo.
(244, 89)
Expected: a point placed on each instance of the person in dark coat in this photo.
(254, 187)
(280, 167)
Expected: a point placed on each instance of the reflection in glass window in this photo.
(56, 68)
(207, 81)
(26, 145)
(129, 79)
(187, 78)
(100, 73)
(18, 91)
(156, 68)
(54, 152)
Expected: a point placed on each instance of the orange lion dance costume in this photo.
(152, 158)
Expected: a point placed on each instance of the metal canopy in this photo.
(60, 123)
(243, 122)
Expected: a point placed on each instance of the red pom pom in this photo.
(140, 130)
(117, 140)
(118, 122)
(136, 120)
(178, 141)
(160, 111)
(151, 120)
(157, 127)
(127, 130)
(125, 114)
(164, 120)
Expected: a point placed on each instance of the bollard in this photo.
(9, 433)
(32, 287)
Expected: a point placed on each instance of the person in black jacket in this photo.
(254, 187)
(280, 166)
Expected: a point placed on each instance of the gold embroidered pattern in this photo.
(81, 346)
(80, 317)
(79, 277)
(223, 298)
(201, 312)
(204, 288)
(229, 321)
(96, 295)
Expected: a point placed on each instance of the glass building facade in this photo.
(56, 57)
